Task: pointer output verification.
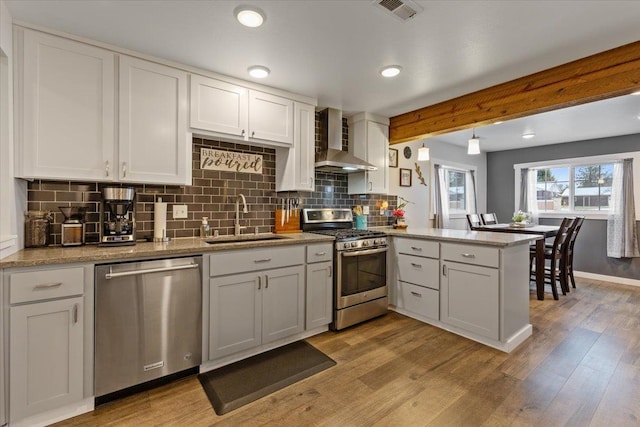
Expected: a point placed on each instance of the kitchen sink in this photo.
(243, 238)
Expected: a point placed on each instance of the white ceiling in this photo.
(332, 50)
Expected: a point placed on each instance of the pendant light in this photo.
(423, 153)
(474, 144)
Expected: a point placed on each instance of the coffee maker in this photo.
(117, 216)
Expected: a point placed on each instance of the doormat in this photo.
(235, 385)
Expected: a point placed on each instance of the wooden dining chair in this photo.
(558, 258)
(489, 218)
(572, 242)
(474, 221)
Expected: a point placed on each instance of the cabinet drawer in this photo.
(240, 261)
(45, 284)
(419, 271)
(419, 300)
(417, 247)
(471, 254)
(319, 253)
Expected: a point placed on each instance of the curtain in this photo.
(532, 195)
(622, 233)
(472, 198)
(524, 180)
(442, 198)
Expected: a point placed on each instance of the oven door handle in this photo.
(364, 252)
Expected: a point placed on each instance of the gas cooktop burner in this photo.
(350, 233)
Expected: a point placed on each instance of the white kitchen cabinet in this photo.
(65, 94)
(154, 145)
(469, 298)
(319, 294)
(283, 305)
(369, 140)
(295, 169)
(242, 113)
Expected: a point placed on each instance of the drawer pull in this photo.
(413, 264)
(416, 249)
(468, 255)
(47, 286)
(261, 260)
(321, 253)
(416, 294)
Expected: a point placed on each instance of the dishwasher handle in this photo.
(111, 275)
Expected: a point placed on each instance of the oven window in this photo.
(363, 272)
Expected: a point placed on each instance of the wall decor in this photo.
(230, 161)
(419, 174)
(405, 177)
(407, 152)
(393, 158)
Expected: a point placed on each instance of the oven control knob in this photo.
(365, 243)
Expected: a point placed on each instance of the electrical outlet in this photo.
(365, 210)
(180, 211)
(383, 211)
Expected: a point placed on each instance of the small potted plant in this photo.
(520, 218)
(398, 214)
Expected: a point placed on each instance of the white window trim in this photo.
(580, 161)
(455, 166)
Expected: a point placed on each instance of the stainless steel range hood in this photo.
(332, 158)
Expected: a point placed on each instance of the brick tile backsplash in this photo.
(212, 195)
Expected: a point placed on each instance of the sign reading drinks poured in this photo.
(230, 161)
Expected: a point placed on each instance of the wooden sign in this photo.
(230, 161)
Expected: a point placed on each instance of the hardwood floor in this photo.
(581, 367)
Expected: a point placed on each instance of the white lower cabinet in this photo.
(319, 294)
(470, 298)
(420, 300)
(46, 356)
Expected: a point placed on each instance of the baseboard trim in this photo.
(604, 278)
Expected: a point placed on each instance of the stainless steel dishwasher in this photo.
(148, 321)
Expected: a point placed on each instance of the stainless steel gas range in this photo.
(360, 266)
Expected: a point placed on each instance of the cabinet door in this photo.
(66, 105)
(282, 303)
(319, 294)
(270, 117)
(304, 145)
(154, 143)
(46, 356)
(218, 106)
(470, 298)
(377, 155)
(235, 314)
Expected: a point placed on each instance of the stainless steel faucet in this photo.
(237, 228)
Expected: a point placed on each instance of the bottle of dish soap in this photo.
(205, 228)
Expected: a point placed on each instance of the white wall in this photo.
(419, 213)
(13, 193)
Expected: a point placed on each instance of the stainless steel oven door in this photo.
(361, 276)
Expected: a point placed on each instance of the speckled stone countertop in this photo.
(179, 246)
(463, 236)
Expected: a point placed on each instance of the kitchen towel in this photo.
(159, 219)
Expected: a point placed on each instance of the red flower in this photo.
(398, 213)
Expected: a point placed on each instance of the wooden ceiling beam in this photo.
(608, 74)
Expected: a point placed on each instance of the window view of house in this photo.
(456, 181)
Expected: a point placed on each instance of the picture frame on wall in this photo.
(405, 177)
(393, 158)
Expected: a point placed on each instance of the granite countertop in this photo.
(463, 236)
(179, 246)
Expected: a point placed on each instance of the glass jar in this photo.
(36, 228)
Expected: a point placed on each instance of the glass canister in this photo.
(36, 228)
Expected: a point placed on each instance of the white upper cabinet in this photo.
(154, 145)
(242, 113)
(295, 171)
(219, 106)
(369, 140)
(65, 93)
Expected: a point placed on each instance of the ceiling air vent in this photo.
(401, 9)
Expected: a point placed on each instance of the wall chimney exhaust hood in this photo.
(332, 158)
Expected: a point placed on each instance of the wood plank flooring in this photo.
(581, 367)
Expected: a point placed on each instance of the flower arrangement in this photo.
(357, 210)
(398, 213)
(520, 217)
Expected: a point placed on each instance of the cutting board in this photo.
(291, 226)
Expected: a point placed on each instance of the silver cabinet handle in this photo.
(416, 249)
(242, 133)
(311, 181)
(266, 282)
(444, 270)
(259, 282)
(413, 264)
(253, 134)
(364, 252)
(330, 270)
(416, 294)
(124, 169)
(74, 313)
(370, 186)
(47, 286)
(320, 253)
(261, 260)
(106, 167)
(468, 255)
(111, 275)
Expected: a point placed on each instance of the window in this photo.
(457, 190)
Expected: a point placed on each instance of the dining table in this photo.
(542, 230)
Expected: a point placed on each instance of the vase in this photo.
(361, 222)
(400, 223)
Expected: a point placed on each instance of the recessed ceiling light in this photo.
(528, 135)
(258, 71)
(498, 122)
(249, 16)
(391, 71)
